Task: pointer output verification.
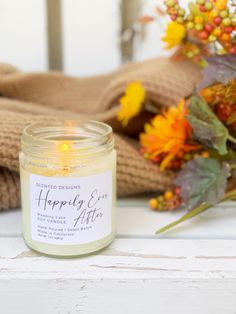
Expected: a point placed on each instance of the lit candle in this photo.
(68, 190)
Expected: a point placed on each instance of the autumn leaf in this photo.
(220, 69)
(207, 128)
(203, 183)
(145, 19)
(202, 180)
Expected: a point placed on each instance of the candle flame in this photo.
(64, 147)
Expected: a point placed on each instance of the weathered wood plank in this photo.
(116, 296)
(132, 276)
(126, 258)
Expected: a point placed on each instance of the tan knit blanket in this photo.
(26, 98)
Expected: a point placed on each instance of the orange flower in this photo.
(167, 135)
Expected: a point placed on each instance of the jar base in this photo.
(68, 255)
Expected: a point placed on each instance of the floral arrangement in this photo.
(196, 138)
(207, 28)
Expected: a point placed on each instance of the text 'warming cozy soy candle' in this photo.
(68, 178)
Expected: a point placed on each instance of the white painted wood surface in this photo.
(191, 269)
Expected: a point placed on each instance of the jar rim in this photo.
(82, 136)
(31, 128)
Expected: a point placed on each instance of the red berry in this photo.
(228, 29)
(232, 50)
(177, 190)
(203, 34)
(217, 20)
(174, 17)
(202, 8)
(223, 111)
(209, 28)
(197, 59)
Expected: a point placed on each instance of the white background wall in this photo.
(23, 34)
(91, 35)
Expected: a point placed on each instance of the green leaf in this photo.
(202, 180)
(207, 128)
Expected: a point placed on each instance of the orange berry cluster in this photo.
(175, 11)
(222, 99)
(195, 52)
(209, 20)
(224, 111)
(168, 201)
(219, 93)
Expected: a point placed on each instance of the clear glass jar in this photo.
(68, 187)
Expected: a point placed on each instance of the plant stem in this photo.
(229, 195)
(232, 139)
(187, 216)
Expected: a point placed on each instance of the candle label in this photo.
(71, 210)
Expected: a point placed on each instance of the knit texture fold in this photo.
(35, 97)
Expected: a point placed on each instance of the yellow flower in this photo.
(167, 135)
(175, 34)
(131, 103)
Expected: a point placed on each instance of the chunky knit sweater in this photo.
(30, 97)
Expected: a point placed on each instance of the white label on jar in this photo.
(71, 210)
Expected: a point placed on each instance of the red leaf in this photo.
(145, 19)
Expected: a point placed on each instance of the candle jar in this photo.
(68, 179)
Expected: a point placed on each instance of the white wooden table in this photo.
(191, 269)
